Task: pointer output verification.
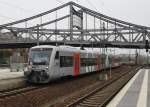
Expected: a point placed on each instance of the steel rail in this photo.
(78, 101)
(16, 91)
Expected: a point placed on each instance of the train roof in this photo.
(65, 48)
(68, 47)
(43, 46)
(50, 46)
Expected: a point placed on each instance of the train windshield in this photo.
(40, 56)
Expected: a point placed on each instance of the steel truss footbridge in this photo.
(76, 25)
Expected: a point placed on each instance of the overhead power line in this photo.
(90, 3)
(6, 17)
(15, 6)
(61, 2)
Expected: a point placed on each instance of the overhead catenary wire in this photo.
(2, 16)
(90, 3)
(61, 2)
(15, 6)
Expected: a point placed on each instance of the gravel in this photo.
(56, 92)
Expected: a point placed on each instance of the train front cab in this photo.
(38, 65)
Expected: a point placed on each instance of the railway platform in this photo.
(6, 74)
(136, 93)
(10, 80)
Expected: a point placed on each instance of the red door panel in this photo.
(76, 64)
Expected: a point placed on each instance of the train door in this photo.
(76, 64)
(57, 64)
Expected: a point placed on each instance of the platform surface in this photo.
(136, 93)
(6, 74)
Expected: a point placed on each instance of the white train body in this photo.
(47, 63)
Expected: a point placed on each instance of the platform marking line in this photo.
(115, 101)
(142, 100)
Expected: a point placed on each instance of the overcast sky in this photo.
(135, 11)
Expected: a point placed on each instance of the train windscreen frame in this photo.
(40, 56)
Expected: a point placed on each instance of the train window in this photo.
(91, 61)
(66, 61)
(57, 55)
(88, 61)
(83, 62)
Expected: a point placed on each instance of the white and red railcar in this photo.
(47, 63)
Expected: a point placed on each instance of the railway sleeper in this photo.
(95, 100)
(88, 105)
(92, 102)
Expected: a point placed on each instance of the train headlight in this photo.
(25, 69)
(46, 68)
(29, 67)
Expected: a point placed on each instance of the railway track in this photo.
(103, 94)
(28, 97)
(13, 92)
(19, 90)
